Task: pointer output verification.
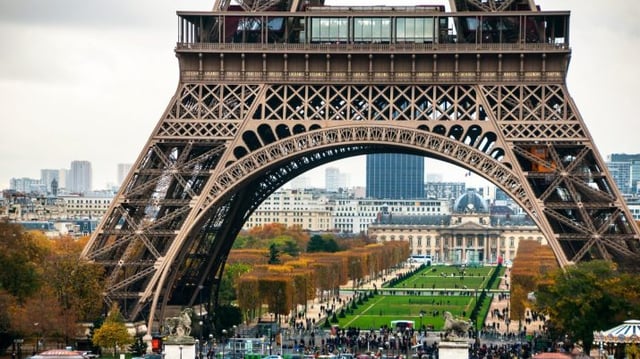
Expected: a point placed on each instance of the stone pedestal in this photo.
(453, 349)
(180, 348)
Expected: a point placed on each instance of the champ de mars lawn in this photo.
(423, 298)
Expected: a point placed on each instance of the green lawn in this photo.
(448, 277)
(382, 309)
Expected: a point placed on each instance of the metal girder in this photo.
(248, 117)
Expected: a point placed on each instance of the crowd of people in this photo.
(498, 339)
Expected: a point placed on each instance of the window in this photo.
(416, 30)
(372, 29)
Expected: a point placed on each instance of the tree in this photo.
(532, 261)
(319, 244)
(331, 245)
(42, 316)
(249, 298)
(113, 332)
(274, 254)
(44, 281)
(6, 301)
(584, 298)
(226, 316)
(139, 347)
(77, 283)
(316, 244)
(232, 271)
(290, 247)
(20, 254)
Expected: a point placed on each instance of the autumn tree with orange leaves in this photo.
(281, 288)
(531, 263)
(44, 281)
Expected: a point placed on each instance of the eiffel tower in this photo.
(270, 89)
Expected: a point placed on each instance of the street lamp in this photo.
(224, 334)
(37, 337)
(210, 345)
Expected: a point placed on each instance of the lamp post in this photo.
(210, 346)
(37, 337)
(224, 334)
(180, 351)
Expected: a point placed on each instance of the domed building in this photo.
(470, 202)
(474, 232)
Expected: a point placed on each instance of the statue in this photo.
(457, 327)
(179, 326)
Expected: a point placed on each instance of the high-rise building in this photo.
(123, 171)
(63, 178)
(26, 185)
(47, 176)
(395, 176)
(80, 177)
(621, 173)
(334, 180)
(625, 169)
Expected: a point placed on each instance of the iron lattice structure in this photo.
(263, 97)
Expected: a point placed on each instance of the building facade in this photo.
(625, 170)
(468, 238)
(321, 211)
(334, 180)
(123, 170)
(304, 208)
(27, 185)
(47, 176)
(80, 177)
(469, 234)
(83, 207)
(395, 176)
(356, 215)
(444, 190)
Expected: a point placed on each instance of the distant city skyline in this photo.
(110, 70)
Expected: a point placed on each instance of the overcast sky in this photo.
(89, 80)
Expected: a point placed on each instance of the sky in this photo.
(89, 80)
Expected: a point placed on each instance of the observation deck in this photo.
(395, 44)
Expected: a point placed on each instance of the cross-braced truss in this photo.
(223, 145)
